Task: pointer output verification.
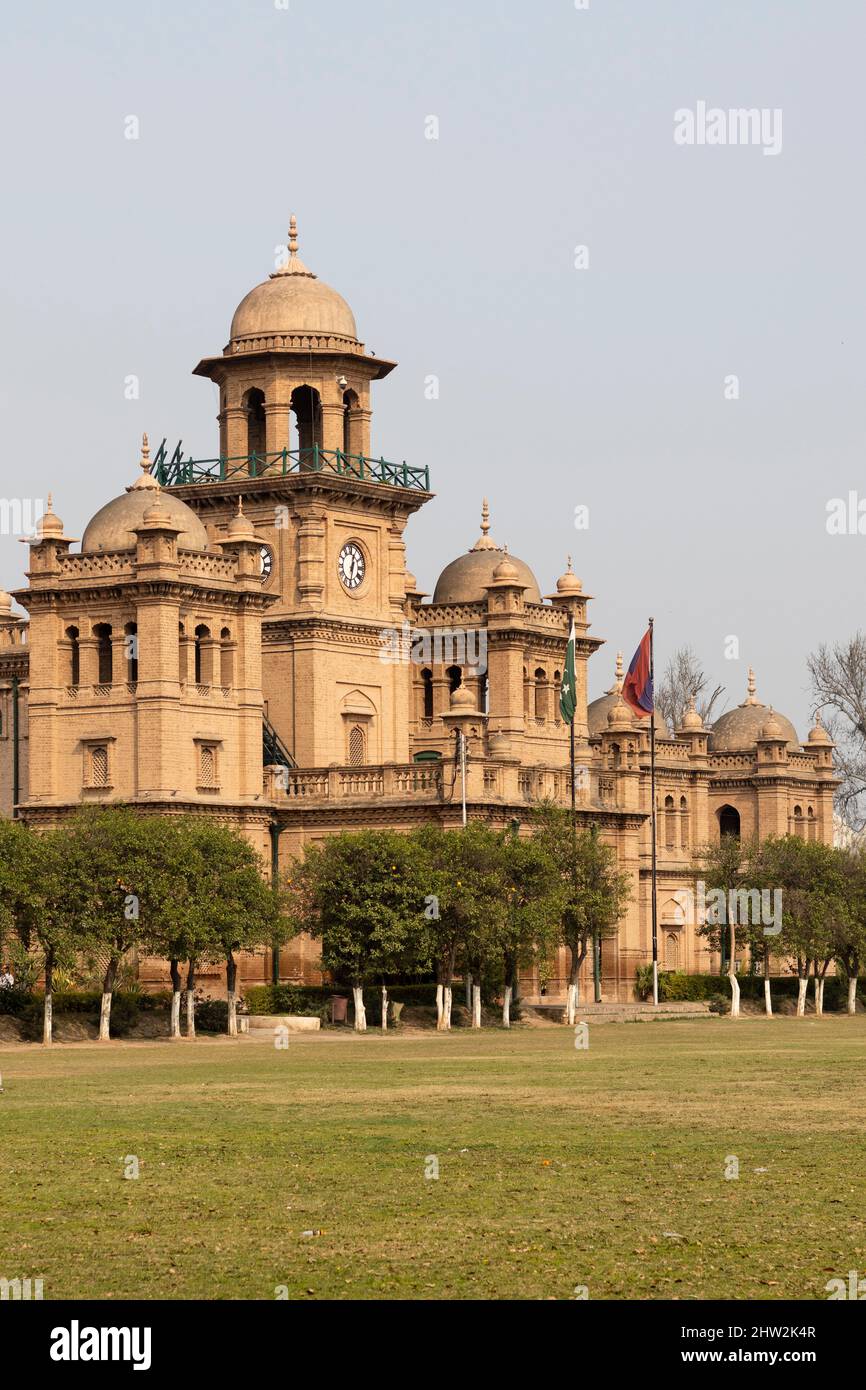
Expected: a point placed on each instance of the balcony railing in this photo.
(180, 472)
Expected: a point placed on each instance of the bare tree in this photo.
(683, 681)
(839, 686)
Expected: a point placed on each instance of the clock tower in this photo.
(294, 389)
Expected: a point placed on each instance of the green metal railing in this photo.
(178, 471)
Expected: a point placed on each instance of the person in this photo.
(7, 979)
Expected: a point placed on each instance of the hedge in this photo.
(676, 986)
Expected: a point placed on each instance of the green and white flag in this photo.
(568, 693)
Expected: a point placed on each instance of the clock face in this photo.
(267, 560)
(351, 565)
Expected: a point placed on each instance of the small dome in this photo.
(240, 527)
(598, 710)
(772, 728)
(114, 525)
(739, 730)
(568, 583)
(5, 604)
(505, 572)
(819, 734)
(49, 523)
(463, 699)
(691, 719)
(292, 301)
(620, 716)
(467, 579)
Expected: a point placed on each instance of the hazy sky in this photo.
(559, 386)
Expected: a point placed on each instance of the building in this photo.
(240, 637)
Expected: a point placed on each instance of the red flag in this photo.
(637, 690)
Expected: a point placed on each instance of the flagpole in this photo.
(653, 804)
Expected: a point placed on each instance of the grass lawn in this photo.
(557, 1167)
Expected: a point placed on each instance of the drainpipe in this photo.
(275, 878)
(16, 764)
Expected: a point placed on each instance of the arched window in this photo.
(811, 823)
(540, 693)
(557, 686)
(351, 423)
(130, 651)
(74, 655)
(427, 693)
(102, 633)
(455, 678)
(684, 823)
(672, 951)
(227, 659)
(254, 405)
(527, 694)
(307, 408)
(729, 821)
(202, 635)
(483, 692)
(669, 822)
(182, 672)
(357, 746)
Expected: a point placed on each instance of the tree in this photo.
(838, 675)
(683, 681)
(462, 892)
(850, 942)
(361, 895)
(112, 867)
(44, 912)
(529, 926)
(593, 892)
(726, 870)
(237, 909)
(177, 927)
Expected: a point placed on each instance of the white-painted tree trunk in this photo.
(440, 1007)
(233, 1013)
(802, 986)
(468, 989)
(571, 1005)
(735, 995)
(105, 1017)
(175, 1013)
(476, 1006)
(819, 996)
(446, 1011)
(47, 1018)
(506, 1008)
(360, 1011)
(384, 1009)
(768, 999)
(852, 995)
(190, 1013)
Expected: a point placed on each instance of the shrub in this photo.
(306, 1000)
(14, 999)
(212, 1015)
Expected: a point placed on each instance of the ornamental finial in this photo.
(485, 517)
(751, 687)
(293, 235)
(145, 455)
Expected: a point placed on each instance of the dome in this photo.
(5, 604)
(240, 527)
(467, 579)
(505, 572)
(619, 715)
(568, 583)
(113, 526)
(740, 729)
(691, 719)
(819, 734)
(293, 301)
(598, 710)
(49, 523)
